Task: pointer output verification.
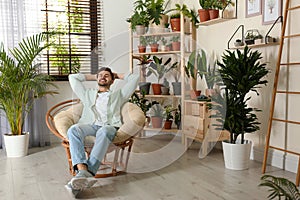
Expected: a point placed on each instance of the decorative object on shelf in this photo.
(177, 119)
(241, 73)
(168, 114)
(280, 187)
(253, 8)
(238, 43)
(159, 69)
(175, 22)
(140, 18)
(142, 44)
(157, 113)
(175, 43)
(251, 35)
(203, 11)
(153, 42)
(271, 10)
(21, 83)
(165, 87)
(144, 61)
(197, 65)
(176, 84)
(164, 47)
(143, 103)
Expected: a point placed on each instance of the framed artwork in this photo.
(253, 8)
(271, 11)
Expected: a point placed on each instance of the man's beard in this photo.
(103, 84)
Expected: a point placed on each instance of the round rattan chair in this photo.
(62, 115)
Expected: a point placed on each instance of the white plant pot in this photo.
(16, 145)
(236, 156)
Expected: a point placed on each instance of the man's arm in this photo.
(90, 77)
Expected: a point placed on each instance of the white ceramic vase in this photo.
(236, 156)
(16, 145)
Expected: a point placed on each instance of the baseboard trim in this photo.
(288, 162)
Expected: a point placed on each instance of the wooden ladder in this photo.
(286, 16)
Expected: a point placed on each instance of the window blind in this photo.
(77, 42)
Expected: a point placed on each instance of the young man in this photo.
(101, 117)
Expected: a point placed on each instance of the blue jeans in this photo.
(104, 136)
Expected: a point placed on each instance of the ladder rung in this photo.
(294, 8)
(287, 121)
(291, 36)
(287, 92)
(293, 63)
(284, 150)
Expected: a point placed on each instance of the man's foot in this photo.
(71, 190)
(82, 180)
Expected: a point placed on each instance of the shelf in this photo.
(214, 21)
(161, 34)
(257, 45)
(156, 53)
(162, 96)
(161, 129)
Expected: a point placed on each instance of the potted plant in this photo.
(21, 83)
(203, 11)
(164, 42)
(177, 119)
(143, 103)
(159, 69)
(153, 42)
(197, 65)
(168, 114)
(142, 44)
(165, 87)
(176, 84)
(157, 113)
(242, 73)
(144, 61)
(175, 22)
(140, 18)
(175, 43)
(211, 78)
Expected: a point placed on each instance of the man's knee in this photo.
(109, 131)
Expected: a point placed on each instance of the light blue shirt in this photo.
(116, 98)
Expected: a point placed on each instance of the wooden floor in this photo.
(43, 173)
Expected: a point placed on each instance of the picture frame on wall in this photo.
(271, 11)
(253, 8)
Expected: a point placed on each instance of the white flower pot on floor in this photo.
(236, 156)
(16, 145)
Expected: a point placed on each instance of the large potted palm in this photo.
(241, 73)
(20, 84)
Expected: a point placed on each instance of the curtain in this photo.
(20, 19)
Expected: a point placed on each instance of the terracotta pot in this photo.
(195, 93)
(156, 122)
(142, 49)
(213, 14)
(175, 24)
(168, 124)
(154, 47)
(176, 46)
(156, 88)
(203, 15)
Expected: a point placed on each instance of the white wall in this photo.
(214, 40)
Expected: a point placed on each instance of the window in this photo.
(78, 39)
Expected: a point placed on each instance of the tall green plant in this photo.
(21, 81)
(241, 73)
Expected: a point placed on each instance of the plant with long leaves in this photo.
(241, 73)
(280, 187)
(159, 69)
(21, 81)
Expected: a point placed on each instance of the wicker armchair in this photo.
(61, 116)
